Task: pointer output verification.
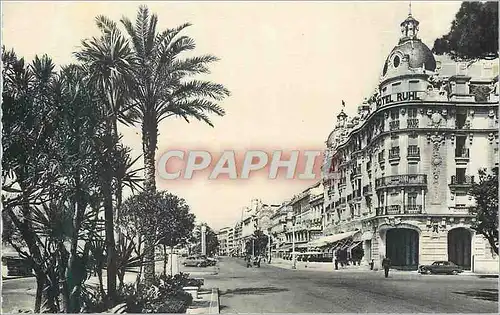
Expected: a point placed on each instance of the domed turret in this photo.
(410, 51)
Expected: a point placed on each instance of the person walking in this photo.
(386, 263)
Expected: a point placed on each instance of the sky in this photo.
(288, 66)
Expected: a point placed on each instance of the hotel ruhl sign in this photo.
(398, 97)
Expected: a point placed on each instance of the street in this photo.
(271, 289)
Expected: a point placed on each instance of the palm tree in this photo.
(163, 87)
(109, 62)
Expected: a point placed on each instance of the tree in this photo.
(109, 63)
(257, 243)
(473, 34)
(486, 210)
(175, 223)
(211, 239)
(161, 87)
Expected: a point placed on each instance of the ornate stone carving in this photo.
(491, 137)
(421, 111)
(436, 163)
(471, 113)
(491, 113)
(471, 136)
(429, 112)
(444, 112)
(452, 139)
(403, 111)
(436, 119)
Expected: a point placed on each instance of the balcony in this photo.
(394, 125)
(413, 152)
(394, 154)
(396, 210)
(393, 209)
(412, 123)
(461, 182)
(413, 209)
(401, 180)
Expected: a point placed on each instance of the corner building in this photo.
(397, 175)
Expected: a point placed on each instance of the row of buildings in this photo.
(396, 176)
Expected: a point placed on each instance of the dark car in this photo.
(443, 267)
(196, 261)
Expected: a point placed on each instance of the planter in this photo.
(193, 291)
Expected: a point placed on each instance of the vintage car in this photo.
(196, 261)
(443, 267)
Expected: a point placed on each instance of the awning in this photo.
(354, 244)
(330, 239)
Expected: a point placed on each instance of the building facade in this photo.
(398, 173)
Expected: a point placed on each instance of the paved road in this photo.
(272, 289)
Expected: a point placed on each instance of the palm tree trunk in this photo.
(107, 192)
(149, 140)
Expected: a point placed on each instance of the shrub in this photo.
(165, 295)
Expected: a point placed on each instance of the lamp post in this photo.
(269, 243)
(294, 261)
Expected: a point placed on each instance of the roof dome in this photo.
(418, 54)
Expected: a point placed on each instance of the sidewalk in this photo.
(207, 303)
(327, 266)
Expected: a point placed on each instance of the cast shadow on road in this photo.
(482, 294)
(255, 291)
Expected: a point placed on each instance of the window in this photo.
(460, 120)
(396, 61)
(394, 114)
(412, 168)
(414, 85)
(412, 113)
(460, 173)
(412, 199)
(394, 169)
(396, 87)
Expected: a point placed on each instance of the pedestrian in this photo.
(386, 263)
(249, 261)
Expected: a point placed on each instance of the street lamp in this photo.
(269, 243)
(294, 261)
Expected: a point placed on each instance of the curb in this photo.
(214, 302)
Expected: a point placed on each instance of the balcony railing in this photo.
(462, 153)
(401, 180)
(393, 209)
(412, 123)
(394, 125)
(413, 209)
(413, 151)
(462, 180)
(394, 153)
(396, 209)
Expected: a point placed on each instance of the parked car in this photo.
(443, 267)
(196, 261)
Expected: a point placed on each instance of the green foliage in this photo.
(54, 156)
(211, 241)
(473, 33)
(257, 243)
(165, 295)
(486, 211)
